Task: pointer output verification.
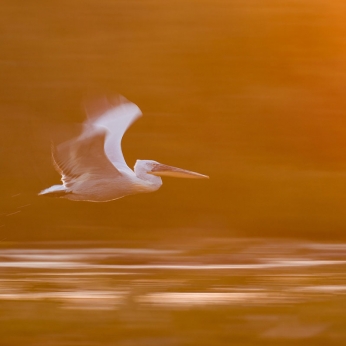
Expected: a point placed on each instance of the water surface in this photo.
(236, 290)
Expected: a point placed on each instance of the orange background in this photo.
(251, 93)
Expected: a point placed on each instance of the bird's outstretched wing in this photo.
(83, 158)
(115, 115)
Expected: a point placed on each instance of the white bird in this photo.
(92, 165)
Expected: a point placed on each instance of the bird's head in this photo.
(153, 168)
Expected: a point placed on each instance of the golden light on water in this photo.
(249, 93)
(271, 288)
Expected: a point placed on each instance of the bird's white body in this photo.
(105, 188)
(92, 165)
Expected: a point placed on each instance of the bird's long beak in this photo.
(169, 171)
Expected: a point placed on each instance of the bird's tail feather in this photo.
(55, 191)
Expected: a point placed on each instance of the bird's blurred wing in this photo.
(114, 115)
(83, 158)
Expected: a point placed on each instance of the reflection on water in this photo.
(252, 290)
(181, 299)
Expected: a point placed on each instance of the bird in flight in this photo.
(92, 165)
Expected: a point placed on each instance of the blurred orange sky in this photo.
(250, 93)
